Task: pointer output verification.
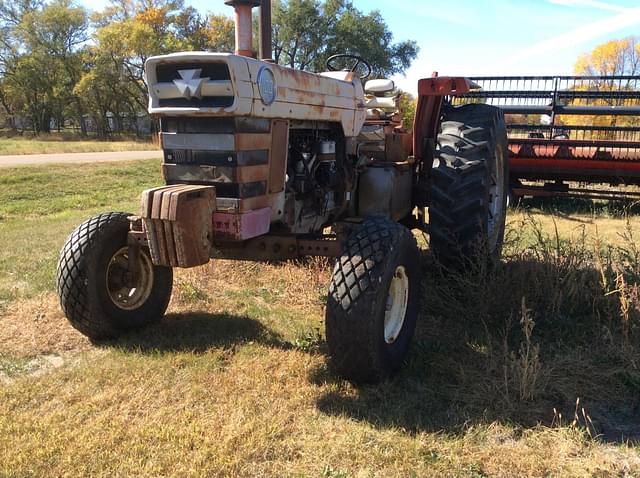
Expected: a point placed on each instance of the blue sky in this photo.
(491, 37)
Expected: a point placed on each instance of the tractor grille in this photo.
(207, 102)
(167, 72)
(193, 85)
(214, 158)
(231, 154)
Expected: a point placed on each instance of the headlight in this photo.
(266, 85)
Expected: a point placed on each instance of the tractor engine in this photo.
(317, 178)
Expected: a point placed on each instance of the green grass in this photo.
(235, 381)
(10, 146)
(40, 206)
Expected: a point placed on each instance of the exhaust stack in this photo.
(244, 27)
(265, 30)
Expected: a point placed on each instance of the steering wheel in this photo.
(357, 61)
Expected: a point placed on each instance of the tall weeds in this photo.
(522, 370)
(558, 318)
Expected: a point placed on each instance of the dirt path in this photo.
(11, 161)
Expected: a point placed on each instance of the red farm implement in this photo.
(568, 135)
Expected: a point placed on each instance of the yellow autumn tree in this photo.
(613, 58)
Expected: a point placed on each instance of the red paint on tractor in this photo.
(546, 163)
(431, 92)
(241, 226)
(444, 86)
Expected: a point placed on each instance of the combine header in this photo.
(568, 135)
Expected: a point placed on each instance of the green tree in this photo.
(220, 32)
(11, 13)
(307, 32)
(129, 32)
(41, 60)
(52, 68)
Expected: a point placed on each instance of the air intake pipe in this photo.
(244, 27)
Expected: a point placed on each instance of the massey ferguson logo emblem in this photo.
(191, 84)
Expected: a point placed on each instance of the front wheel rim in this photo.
(125, 292)
(396, 305)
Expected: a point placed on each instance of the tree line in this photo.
(64, 66)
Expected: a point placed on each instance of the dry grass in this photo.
(609, 229)
(218, 392)
(44, 145)
(235, 381)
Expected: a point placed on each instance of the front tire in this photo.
(98, 293)
(373, 301)
(469, 184)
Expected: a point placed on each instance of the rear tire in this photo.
(373, 301)
(96, 291)
(469, 184)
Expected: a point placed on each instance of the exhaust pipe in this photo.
(265, 30)
(244, 27)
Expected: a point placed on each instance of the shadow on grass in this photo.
(472, 362)
(198, 332)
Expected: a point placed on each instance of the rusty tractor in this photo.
(266, 163)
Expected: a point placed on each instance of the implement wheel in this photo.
(98, 292)
(469, 184)
(373, 301)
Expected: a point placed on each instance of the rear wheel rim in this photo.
(396, 306)
(497, 200)
(125, 292)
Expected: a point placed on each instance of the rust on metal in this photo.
(271, 247)
(214, 174)
(244, 25)
(444, 86)
(177, 221)
(246, 204)
(155, 224)
(166, 224)
(137, 235)
(426, 123)
(431, 93)
(324, 248)
(300, 95)
(278, 155)
(398, 146)
(252, 142)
